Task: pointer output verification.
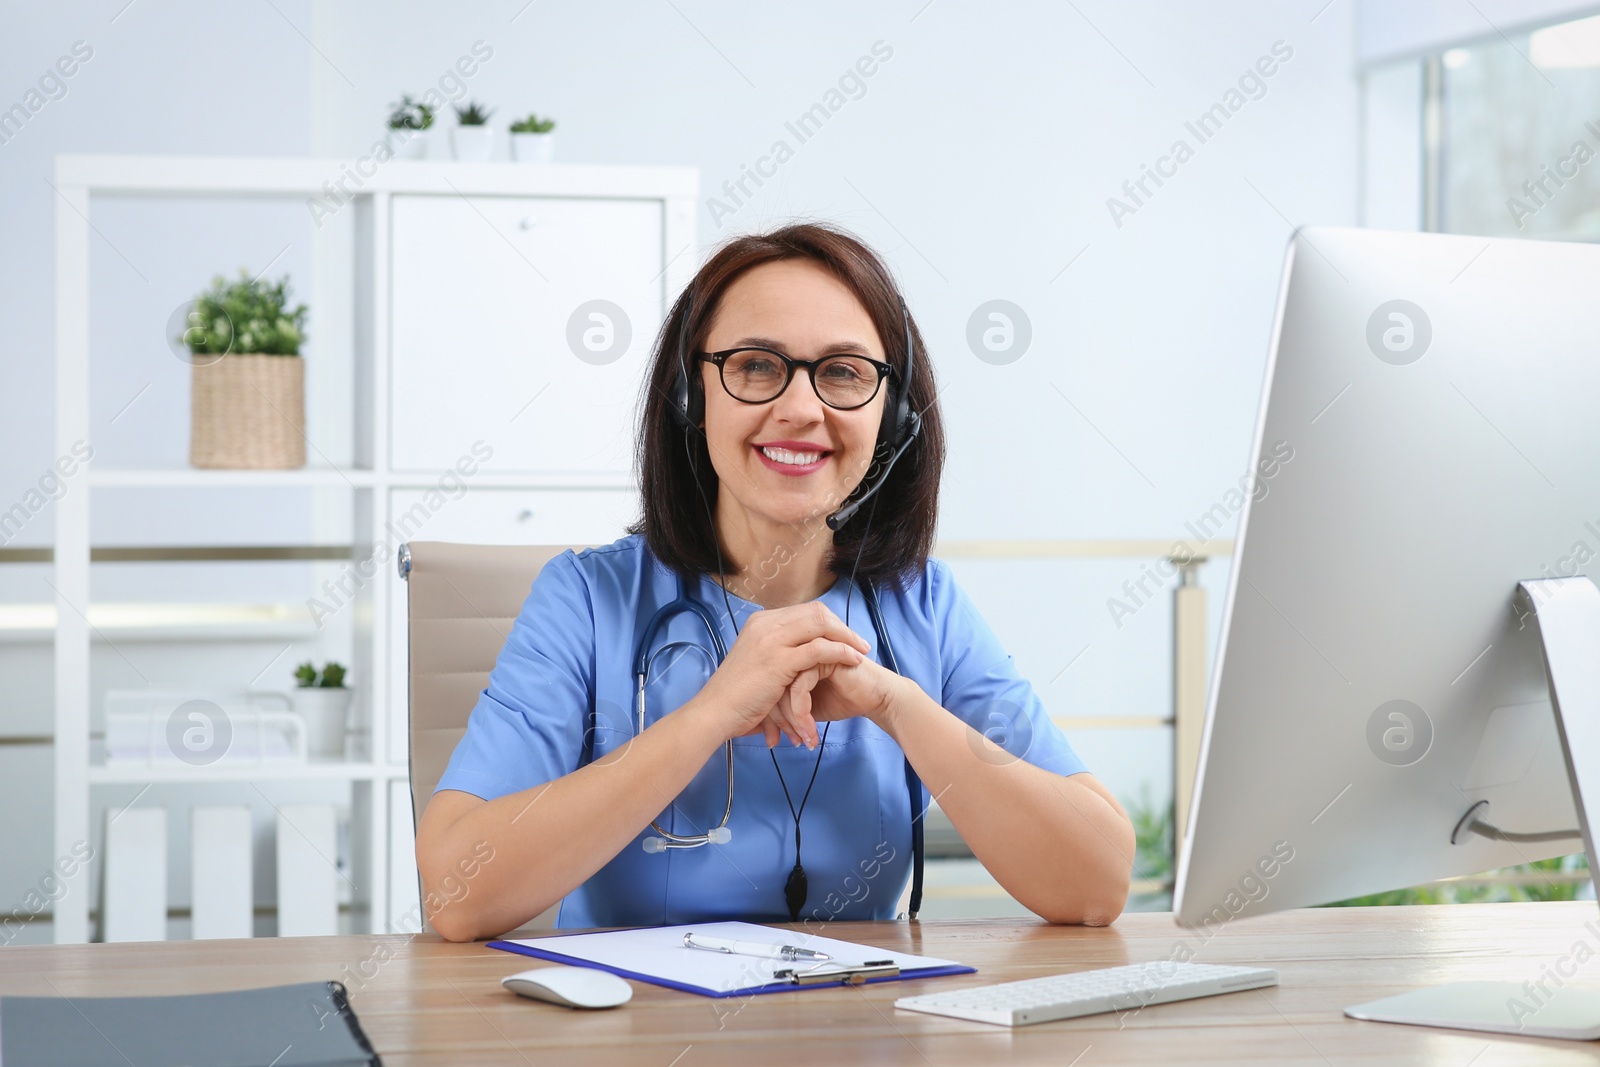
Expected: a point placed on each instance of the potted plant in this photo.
(409, 123)
(532, 141)
(247, 405)
(473, 138)
(323, 702)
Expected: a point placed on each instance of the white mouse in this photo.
(570, 987)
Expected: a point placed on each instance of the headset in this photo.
(898, 430)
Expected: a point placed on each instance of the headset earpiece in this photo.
(688, 404)
(898, 419)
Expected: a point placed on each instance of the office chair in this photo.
(460, 602)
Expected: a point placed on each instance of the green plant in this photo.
(1152, 861)
(533, 124)
(474, 114)
(408, 114)
(248, 316)
(1505, 885)
(1152, 836)
(332, 676)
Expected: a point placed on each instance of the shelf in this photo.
(220, 553)
(278, 176)
(196, 478)
(520, 480)
(21, 623)
(507, 499)
(190, 554)
(349, 478)
(165, 774)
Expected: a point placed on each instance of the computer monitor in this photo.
(1428, 439)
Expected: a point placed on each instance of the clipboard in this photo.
(658, 956)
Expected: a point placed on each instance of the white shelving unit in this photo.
(528, 496)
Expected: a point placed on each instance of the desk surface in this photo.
(424, 1001)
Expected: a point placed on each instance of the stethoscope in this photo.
(643, 659)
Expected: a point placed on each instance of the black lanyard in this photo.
(796, 887)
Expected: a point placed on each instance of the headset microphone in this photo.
(907, 425)
(846, 513)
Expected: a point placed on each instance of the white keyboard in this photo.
(1066, 996)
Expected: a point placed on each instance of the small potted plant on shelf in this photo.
(409, 126)
(532, 141)
(323, 702)
(247, 406)
(473, 138)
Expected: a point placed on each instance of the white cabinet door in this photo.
(523, 321)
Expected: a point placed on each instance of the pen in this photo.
(752, 948)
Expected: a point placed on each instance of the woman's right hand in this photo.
(776, 650)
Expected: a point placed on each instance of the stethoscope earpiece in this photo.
(717, 835)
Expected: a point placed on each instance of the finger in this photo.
(803, 622)
(825, 652)
(800, 705)
(796, 705)
(800, 711)
(785, 731)
(785, 714)
(776, 725)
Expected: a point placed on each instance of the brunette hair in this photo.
(903, 514)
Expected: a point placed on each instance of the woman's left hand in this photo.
(867, 689)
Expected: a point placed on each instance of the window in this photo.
(1519, 152)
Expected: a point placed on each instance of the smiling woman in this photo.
(787, 388)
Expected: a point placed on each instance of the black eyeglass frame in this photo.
(885, 371)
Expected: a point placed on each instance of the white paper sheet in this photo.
(660, 953)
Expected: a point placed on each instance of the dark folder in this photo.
(305, 1025)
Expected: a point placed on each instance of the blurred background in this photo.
(1085, 204)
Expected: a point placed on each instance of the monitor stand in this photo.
(1567, 612)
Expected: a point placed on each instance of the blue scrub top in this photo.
(562, 694)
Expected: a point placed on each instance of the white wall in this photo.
(979, 159)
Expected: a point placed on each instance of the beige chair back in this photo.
(460, 603)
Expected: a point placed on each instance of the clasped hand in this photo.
(791, 668)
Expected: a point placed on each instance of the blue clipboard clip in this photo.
(843, 974)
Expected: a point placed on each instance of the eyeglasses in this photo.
(760, 375)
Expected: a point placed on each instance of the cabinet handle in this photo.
(524, 515)
(528, 223)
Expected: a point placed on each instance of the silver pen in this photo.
(752, 948)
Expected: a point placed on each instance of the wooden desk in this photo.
(424, 1001)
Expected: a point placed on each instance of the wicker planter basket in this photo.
(248, 411)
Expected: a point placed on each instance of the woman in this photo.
(780, 411)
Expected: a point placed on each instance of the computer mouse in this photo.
(570, 987)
